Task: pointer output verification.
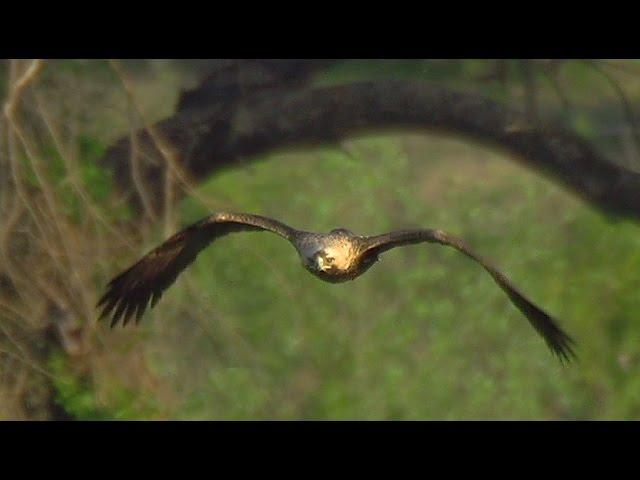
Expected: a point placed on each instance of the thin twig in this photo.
(626, 105)
(174, 170)
(551, 74)
(28, 363)
(530, 90)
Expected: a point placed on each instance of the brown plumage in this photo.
(334, 257)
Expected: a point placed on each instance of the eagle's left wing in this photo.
(557, 340)
(129, 293)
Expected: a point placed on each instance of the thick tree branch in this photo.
(207, 140)
(231, 80)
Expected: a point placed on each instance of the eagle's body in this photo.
(334, 257)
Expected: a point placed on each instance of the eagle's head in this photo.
(334, 257)
(320, 261)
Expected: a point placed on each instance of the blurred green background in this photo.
(246, 333)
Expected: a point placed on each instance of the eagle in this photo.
(334, 257)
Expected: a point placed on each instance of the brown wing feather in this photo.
(129, 293)
(558, 341)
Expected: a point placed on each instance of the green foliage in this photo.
(67, 178)
(75, 393)
(57, 69)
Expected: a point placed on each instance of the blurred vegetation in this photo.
(426, 334)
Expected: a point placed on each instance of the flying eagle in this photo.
(334, 257)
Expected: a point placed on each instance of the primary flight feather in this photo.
(334, 257)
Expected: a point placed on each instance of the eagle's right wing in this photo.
(558, 341)
(129, 292)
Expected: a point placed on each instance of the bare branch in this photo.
(211, 139)
(551, 73)
(530, 90)
(626, 105)
(18, 86)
